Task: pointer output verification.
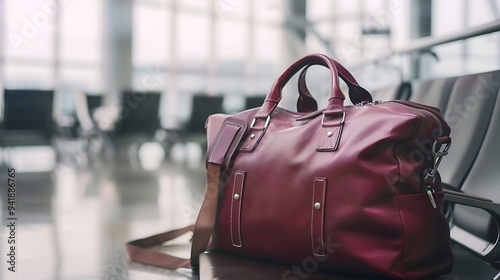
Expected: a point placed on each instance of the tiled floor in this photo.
(73, 219)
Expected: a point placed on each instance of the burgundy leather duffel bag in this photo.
(350, 189)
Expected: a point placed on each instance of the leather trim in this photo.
(329, 143)
(318, 216)
(250, 143)
(222, 143)
(235, 216)
(227, 140)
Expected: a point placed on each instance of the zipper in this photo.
(374, 102)
(437, 120)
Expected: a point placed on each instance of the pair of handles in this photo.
(306, 103)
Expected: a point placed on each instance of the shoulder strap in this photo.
(140, 250)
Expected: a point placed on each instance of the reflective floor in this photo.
(75, 213)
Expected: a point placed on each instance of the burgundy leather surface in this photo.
(215, 265)
(359, 209)
(375, 217)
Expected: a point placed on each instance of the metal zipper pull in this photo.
(374, 102)
(431, 197)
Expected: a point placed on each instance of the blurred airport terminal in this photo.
(103, 105)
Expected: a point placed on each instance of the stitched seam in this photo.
(330, 140)
(312, 217)
(246, 144)
(323, 218)
(240, 202)
(322, 139)
(231, 212)
(403, 251)
(394, 189)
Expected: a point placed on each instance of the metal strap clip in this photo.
(437, 156)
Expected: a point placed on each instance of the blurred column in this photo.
(400, 32)
(292, 45)
(2, 54)
(172, 73)
(117, 46)
(294, 33)
(212, 52)
(57, 62)
(250, 55)
(420, 26)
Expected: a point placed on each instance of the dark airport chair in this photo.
(254, 101)
(85, 105)
(27, 118)
(203, 106)
(93, 102)
(82, 121)
(468, 113)
(471, 227)
(432, 92)
(137, 121)
(94, 140)
(401, 91)
(138, 114)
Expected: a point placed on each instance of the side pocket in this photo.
(427, 248)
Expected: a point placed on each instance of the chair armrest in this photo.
(487, 250)
(473, 201)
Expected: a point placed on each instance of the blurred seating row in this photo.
(28, 118)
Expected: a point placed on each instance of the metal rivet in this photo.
(329, 134)
(317, 205)
(236, 196)
(252, 135)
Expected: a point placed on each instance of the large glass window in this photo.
(228, 47)
(53, 45)
(29, 44)
(80, 51)
(474, 55)
(151, 41)
(193, 37)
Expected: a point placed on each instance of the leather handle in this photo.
(140, 250)
(336, 96)
(307, 103)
